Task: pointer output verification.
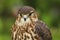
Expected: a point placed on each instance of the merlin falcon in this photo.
(28, 27)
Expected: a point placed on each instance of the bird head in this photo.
(27, 14)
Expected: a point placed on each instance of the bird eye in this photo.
(21, 15)
(30, 14)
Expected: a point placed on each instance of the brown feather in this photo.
(43, 31)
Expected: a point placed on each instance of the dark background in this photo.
(49, 12)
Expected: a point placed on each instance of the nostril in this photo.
(24, 19)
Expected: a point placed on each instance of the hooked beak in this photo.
(25, 17)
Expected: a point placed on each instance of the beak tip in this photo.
(24, 19)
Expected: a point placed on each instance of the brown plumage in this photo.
(28, 27)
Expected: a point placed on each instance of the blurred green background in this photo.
(49, 12)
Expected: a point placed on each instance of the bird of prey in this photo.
(28, 27)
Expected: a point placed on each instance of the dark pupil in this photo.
(30, 14)
(21, 15)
